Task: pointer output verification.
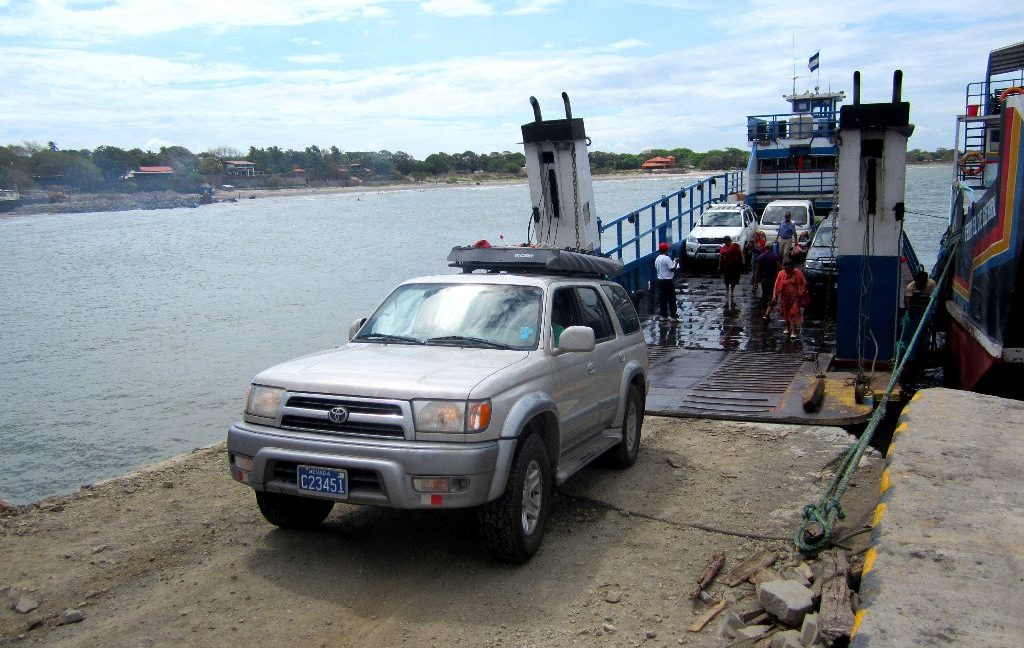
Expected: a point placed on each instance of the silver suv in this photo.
(471, 390)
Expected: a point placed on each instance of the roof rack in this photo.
(524, 260)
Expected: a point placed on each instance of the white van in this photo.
(802, 212)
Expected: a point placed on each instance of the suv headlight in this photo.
(692, 240)
(451, 416)
(263, 401)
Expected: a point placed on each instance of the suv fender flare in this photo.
(526, 409)
(629, 375)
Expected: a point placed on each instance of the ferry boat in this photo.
(793, 155)
(985, 340)
(9, 199)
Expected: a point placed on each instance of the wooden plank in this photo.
(705, 618)
(750, 566)
(709, 574)
(764, 575)
(835, 618)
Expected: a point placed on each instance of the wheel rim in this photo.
(631, 427)
(533, 494)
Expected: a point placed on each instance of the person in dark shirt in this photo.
(766, 268)
(730, 263)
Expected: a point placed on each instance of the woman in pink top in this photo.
(791, 290)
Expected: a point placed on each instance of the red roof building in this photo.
(659, 163)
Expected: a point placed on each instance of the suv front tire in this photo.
(512, 526)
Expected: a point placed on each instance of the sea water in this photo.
(130, 337)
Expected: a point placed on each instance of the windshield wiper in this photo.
(464, 340)
(387, 337)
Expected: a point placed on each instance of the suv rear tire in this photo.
(624, 454)
(512, 526)
(291, 512)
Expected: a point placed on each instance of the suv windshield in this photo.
(465, 315)
(721, 218)
(824, 237)
(773, 215)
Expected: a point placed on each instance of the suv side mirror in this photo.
(356, 325)
(576, 338)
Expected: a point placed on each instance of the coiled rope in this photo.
(815, 532)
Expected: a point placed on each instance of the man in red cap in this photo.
(665, 268)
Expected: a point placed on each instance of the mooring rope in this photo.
(815, 532)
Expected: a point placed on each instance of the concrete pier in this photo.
(946, 562)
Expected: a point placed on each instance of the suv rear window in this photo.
(623, 307)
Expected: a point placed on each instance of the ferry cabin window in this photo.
(801, 106)
(623, 307)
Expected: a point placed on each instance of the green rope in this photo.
(815, 532)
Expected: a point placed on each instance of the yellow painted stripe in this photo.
(900, 429)
(879, 514)
(869, 561)
(888, 453)
(916, 396)
(858, 618)
(885, 481)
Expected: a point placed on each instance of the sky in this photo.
(424, 76)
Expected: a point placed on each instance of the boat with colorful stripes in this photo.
(986, 329)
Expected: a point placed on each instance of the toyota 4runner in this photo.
(477, 390)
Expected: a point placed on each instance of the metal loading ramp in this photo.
(764, 386)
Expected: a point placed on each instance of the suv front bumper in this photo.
(380, 471)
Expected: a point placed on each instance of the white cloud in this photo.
(314, 59)
(527, 7)
(69, 21)
(628, 43)
(457, 8)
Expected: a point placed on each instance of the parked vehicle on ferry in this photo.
(802, 212)
(820, 263)
(735, 220)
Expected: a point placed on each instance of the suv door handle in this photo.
(590, 368)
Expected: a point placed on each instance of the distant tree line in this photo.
(917, 156)
(29, 165)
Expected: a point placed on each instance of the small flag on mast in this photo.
(812, 63)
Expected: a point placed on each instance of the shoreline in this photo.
(149, 200)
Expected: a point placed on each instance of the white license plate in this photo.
(322, 481)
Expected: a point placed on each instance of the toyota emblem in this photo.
(338, 415)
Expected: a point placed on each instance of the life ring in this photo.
(972, 164)
(1012, 90)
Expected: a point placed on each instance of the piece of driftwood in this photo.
(750, 566)
(835, 619)
(709, 574)
(814, 395)
(705, 618)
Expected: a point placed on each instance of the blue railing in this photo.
(766, 128)
(772, 186)
(638, 233)
(907, 250)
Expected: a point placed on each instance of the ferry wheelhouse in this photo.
(986, 303)
(793, 155)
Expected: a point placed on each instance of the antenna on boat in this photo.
(793, 58)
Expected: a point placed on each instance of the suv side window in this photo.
(595, 314)
(623, 307)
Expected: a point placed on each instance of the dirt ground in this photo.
(178, 555)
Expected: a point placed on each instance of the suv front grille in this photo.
(365, 417)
